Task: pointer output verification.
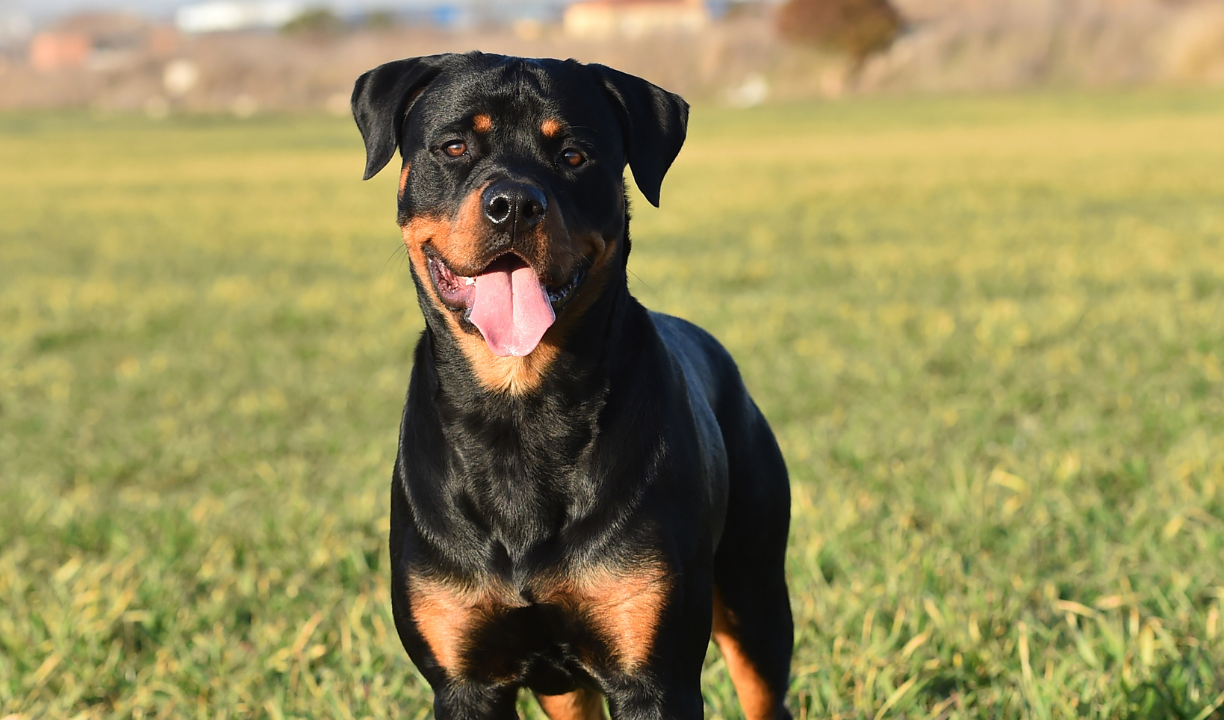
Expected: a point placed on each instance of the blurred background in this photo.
(247, 56)
(968, 255)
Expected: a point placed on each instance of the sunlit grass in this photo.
(989, 333)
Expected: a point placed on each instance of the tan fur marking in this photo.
(622, 605)
(755, 697)
(510, 375)
(482, 123)
(581, 704)
(445, 614)
(404, 179)
(457, 240)
(550, 127)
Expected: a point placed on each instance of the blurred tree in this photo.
(317, 20)
(380, 20)
(854, 27)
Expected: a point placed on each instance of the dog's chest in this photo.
(601, 620)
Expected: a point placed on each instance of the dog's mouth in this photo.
(507, 302)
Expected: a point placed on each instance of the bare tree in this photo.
(857, 28)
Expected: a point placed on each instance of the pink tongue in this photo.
(511, 309)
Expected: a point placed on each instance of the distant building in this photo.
(56, 50)
(230, 15)
(99, 41)
(596, 19)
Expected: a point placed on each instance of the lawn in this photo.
(988, 331)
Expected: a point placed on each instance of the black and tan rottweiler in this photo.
(584, 492)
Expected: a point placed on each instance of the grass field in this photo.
(989, 333)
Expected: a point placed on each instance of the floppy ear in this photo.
(654, 122)
(381, 98)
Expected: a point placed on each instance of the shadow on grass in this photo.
(1189, 688)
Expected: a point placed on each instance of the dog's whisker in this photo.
(645, 284)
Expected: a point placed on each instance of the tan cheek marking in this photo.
(482, 123)
(754, 694)
(446, 615)
(579, 705)
(458, 240)
(601, 250)
(554, 236)
(470, 230)
(404, 179)
(550, 127)
(462, 246)
(623, 607)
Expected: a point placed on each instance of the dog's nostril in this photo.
(499, 210)
(533, 205)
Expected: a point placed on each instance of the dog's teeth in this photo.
(469, 281)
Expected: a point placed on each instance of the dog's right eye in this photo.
(455, 148)
(572, 157)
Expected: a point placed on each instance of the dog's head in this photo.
(511, 194)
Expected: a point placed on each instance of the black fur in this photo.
(639, 444)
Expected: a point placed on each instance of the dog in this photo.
(584, 491)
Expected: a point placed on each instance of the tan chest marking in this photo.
(622, 606)
(446, 615)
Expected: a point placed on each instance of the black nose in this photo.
(509, 204)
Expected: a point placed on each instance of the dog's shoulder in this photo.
(706, 364)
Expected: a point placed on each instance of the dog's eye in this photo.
(572, 157)
(455, 148)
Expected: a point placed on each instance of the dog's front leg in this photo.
(466, 700)
(667, 685)
(648, 701)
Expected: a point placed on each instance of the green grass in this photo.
(989, 333)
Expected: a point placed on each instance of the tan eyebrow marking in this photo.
(550, 127)
(482, 123)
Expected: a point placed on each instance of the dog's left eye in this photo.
(455, 148)
(572, 157)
